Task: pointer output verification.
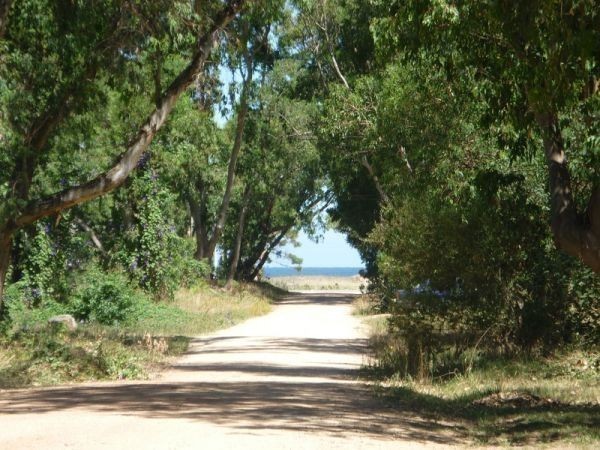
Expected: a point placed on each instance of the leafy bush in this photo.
(494, 283)
(106, 298)
(583, 315)
(186, 271)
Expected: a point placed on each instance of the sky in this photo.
(331, 251)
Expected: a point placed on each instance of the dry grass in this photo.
(528, 401)
(319, 283)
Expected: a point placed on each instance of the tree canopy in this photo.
(456, 144)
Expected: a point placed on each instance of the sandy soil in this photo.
(286, 380)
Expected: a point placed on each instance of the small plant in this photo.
(105, 298)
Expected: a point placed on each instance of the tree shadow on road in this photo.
(517, 422)
(332, 408)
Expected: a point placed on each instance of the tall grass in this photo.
(318, 283)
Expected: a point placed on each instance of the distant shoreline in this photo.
(352, 284)
(276, 272)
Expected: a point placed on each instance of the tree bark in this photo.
(197, 210)
(4, 10)
(116, 176)
(265, 255)
(235, 258)
(574, 233)
(5, 245)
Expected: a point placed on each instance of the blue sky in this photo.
(331, 251)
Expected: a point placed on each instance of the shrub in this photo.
(185, 271)
(106, 298)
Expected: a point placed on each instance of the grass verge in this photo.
(541, 402)
(39, 355)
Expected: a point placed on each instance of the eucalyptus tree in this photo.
(58, 58)
(247, 53)
(280, 173)
(537, 63)
(335, 44)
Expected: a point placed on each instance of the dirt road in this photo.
(286, 380)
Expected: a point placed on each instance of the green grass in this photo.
(38, 355)
(532, 401)
(201, 310)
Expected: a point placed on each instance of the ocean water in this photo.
(272, 272)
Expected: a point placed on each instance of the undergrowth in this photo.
(32, 353)
(522, 399)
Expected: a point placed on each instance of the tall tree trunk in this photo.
(235, 258)
(5, 241)
(235, 152)
(199, 229)
(246, 267)
(574, 233)
(265, 256)
(4, 10)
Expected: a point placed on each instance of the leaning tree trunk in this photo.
(265, 255)
(235, 153)
(235, 258)
(574, 233)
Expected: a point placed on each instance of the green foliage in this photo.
(417, 123)
(157, 258)
(37, 268)
(24, 312)
(34, 353)
(185, 270)
(47, 356)
(583, 315)
(102, 297)
(154, 240)
(442, 207)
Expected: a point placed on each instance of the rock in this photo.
(65, 319)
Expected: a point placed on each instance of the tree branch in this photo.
(365, 162)
(574, 233)
(235, 152)
(93, 236)
(117, 175)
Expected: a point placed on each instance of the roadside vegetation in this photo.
(114, 341)
(526, 399)
(456, 144)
